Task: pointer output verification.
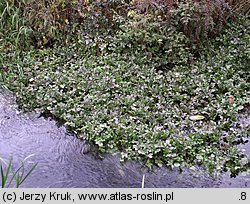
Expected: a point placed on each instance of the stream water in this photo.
(62, 163)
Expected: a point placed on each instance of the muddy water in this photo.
(61, 163)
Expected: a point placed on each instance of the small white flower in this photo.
(167, 142)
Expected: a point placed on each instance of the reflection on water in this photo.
(61, 163)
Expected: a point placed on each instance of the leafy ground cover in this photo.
(134, 91)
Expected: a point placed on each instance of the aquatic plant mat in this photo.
(151, 97)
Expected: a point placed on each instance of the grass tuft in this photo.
(9, 175)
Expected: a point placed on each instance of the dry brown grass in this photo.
(196, 18)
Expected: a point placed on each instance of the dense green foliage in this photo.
(132, 88)
(41, 23)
